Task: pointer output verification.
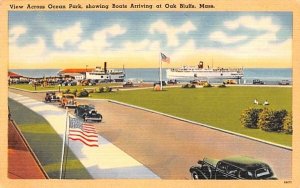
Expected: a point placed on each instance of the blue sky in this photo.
(61, 36)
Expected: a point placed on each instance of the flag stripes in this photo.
(164, 58)
(86, 133)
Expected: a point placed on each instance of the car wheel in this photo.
(195, 175)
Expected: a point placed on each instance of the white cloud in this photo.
(171, 31)
(100, 38)
(222, 37)
(69, 35)
(145, 44)
(32, 52)
(250, 22)
(16, 32)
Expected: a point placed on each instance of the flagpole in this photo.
(63, 146)
(160, 73)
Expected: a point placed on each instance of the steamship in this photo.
(199, 72)
(105, 74)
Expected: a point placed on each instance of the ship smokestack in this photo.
(200, 66)
(105, 67)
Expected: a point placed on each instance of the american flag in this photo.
(86, 133)
(164, 58)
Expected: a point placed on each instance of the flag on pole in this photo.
(164, 58)
(84, 132)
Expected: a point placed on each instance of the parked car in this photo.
(230, 82)
(238, 167)
(88, 112)
(128, 84)
(51, 97)
(284, 82)
(173, 82)
(164, 83)
(68, 100)
(259, 82)
(199, 82)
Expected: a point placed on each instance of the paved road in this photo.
(169, 147)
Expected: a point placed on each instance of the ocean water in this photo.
(268, 75)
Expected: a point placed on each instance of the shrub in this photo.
(222, 86)
(105, 89)
(101, 90)
(272, 121)
(83, 93)
(288, 123)
(67, 91)
(249, 118)
(74, 92)
(188, 86)
(207, 85)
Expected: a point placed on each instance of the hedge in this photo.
(267, 120)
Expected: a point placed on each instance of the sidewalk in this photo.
(105, 161)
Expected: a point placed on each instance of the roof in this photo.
(244, 162)
(14, 75)
(75, 70)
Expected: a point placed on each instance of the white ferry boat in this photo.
(199, 72)
(105, 75)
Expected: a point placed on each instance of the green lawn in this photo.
(46, 143)
(30, 87)
(218, 107)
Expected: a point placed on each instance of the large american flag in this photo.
(86, 133)
(164, 58)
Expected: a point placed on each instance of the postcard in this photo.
(150, 94)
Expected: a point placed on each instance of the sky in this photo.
(136, 39)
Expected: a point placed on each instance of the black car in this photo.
(259, 82)
(51, 97)
(173, 82)
(164, 83)
(88, 112)
(238, 167)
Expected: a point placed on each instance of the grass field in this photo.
(218, 107)
(45, 143)
(30, 87)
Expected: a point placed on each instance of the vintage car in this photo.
(128, 84)
(199, 82)
(164, 83)
(88, 112)
(237, 167)
(68, 100)
(258, 82)
(284, 82)
(230, 82)
(51, 96)
(173, 81)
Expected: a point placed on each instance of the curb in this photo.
(44, 91)
(204, 125)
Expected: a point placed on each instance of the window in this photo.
(232, 170)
